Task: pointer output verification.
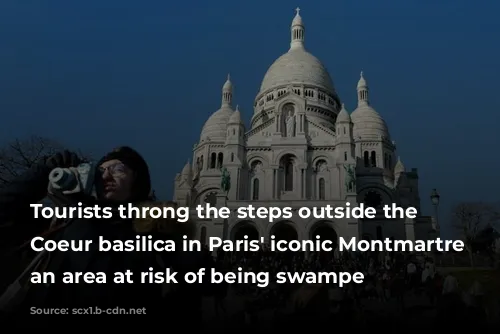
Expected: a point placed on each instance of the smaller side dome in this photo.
(367, 122)
(343, 116)
(216, 126)
(187, 169)
(235, 117)
(187, 173)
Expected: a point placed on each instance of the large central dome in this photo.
(297, 66)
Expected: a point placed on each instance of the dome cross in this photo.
(297, 31)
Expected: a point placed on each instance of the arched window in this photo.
(288, 174)
(232, 157)
(321, 188)
(373, 159)
(203, 235)
(345, 156)
(366, 158)
(255, 190)
(373, 199)
(213, 160)
(201, 162)
(220, 160)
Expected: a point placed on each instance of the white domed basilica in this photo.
(302, 149)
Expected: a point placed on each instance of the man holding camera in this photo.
(122, 177)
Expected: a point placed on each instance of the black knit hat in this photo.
(133, 160)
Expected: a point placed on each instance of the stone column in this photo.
(276, 177)
(314, 186)
(206, 159)
(237, 183)
(410, 229)
(277, 125)
(301, 123)
(354, 226)
(222, 202)
(304, 183)
(301, 181)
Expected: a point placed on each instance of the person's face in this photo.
(117, 181)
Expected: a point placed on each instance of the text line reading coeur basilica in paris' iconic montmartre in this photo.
(148, 244)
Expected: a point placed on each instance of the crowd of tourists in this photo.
(392, 281)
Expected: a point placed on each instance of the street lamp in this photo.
(435, 202)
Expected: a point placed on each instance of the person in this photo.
(452, 309)
(411, 271)
(450, 285)
(123, 178)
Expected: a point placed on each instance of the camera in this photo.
(73, 180)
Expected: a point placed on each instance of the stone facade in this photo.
(302, 148)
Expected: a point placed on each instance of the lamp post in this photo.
(435, 202)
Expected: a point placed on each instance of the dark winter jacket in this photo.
(16, 197)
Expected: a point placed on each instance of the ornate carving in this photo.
(199, 165)
(321, 166)
(256, 166)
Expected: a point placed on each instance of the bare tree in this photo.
(17, 157)
(21, 154)
(469, 219)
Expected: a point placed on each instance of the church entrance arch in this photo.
(325, 231)
(284, 231)
(245, 228)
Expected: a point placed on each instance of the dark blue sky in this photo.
(98, 74)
